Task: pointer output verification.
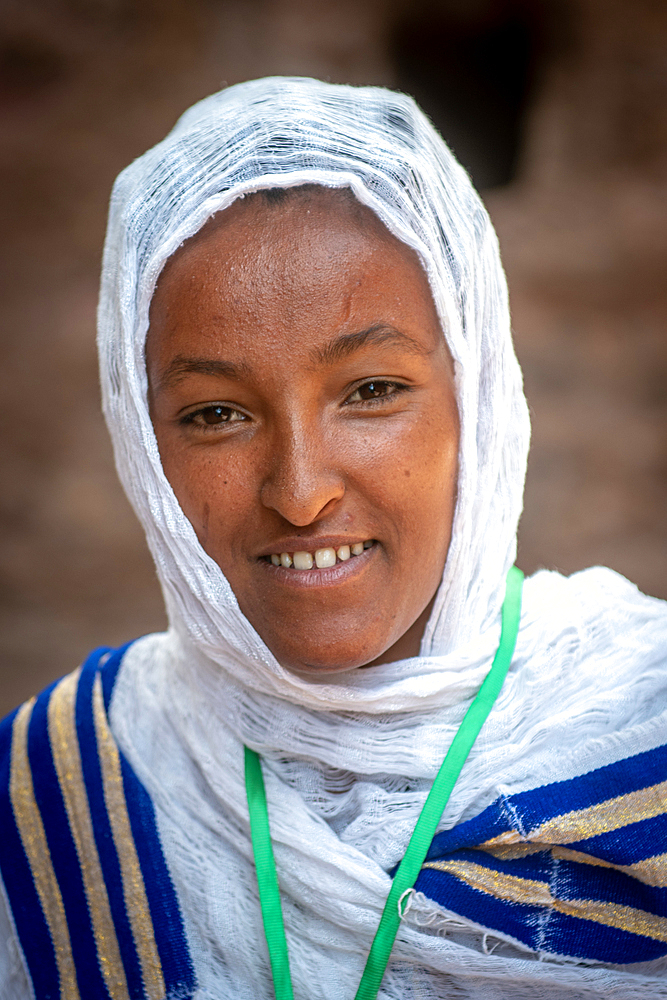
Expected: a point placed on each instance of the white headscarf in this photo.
(349, 760)
(280, 133)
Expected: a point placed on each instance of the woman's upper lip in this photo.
(294, 543)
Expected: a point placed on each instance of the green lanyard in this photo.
(420, 841)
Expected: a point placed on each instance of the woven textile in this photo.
(569, 868)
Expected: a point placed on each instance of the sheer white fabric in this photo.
(349, 761)
(345, 789)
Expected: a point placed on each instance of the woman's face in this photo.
(302, 397)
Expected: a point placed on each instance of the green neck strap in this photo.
(420, 841)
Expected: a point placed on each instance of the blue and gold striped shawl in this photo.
(576, 868)
(91, 897)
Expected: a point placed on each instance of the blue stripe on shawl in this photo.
(628, 844)
(520, 922)
(49, 799)
(109, 672)
(106, 848)
(586, 881)
(541, 804)
(29, 919)
(628, 775)
(583, 880)
(177, 965)
(569, 937)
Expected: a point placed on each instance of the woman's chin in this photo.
(320, 662)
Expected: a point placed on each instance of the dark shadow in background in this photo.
(26, 66)
(474, 75)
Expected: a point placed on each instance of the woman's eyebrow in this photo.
(180, 366)
(380, 333)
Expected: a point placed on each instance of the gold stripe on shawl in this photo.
(67, 760)
(650, 871)
(535, 893)
(622, 918)
(512, 852)
(530, 891)
(133, 884)
(33, 838)
(604, 817)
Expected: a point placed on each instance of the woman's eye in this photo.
(375, 389)
(210, 416)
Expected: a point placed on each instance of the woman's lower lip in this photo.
(329, 577)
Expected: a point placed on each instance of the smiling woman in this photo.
(316, 410)
(302, 396)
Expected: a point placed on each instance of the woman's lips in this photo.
(320, 566)
(322, 558)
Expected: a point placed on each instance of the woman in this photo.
(318, 416)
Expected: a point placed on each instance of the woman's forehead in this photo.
(272, 213)
(309, 267)
(327, 231)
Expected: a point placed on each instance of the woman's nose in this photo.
(302, 482)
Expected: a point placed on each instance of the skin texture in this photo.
(302, 396)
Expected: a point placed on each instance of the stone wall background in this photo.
(559, 109)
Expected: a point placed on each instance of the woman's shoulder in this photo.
(59, 743)
(80, 856)
(100, 667)
(601, 612)
(590, 668)
(94, 681)
(595, 590)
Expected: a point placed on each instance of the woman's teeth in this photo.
(322, 558)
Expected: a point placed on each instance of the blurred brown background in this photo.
(559, 111)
